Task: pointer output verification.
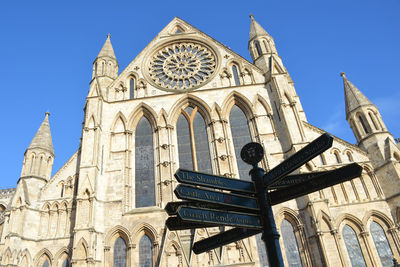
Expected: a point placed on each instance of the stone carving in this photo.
(182, 65)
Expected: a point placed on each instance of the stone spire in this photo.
(353, 97)
(42, 139)
(107, 49)
(256, 30)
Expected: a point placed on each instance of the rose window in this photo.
(182, 66)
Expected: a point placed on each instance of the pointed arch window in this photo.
(131, 88)
(144, 165)
(65, 263)
(373, 120)
(337, 157)
(349, 157)
(363, 124)
(145, 252)
(235, 71)
(241, 136)
(381, 244)
(193, 145)
(46, 264)
(95, 68)
(120, 253)
(353, 247)
(258, 48)
(290, 244)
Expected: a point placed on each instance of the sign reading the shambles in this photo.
(219, 182)
(219, 217)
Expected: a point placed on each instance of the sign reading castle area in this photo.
(247, 205)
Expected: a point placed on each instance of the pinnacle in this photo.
(255, 29)
(42, 138)
(107, 49)
(353, 97)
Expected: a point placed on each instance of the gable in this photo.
(179, 59)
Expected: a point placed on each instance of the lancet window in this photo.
(46, 264)
(119, 253)
(353, 247)
(364, 126)
(145, 252)
(241, 136)
(290, 244)
(258, 48)
(193, 145)
(381, 244)
(65, 263)
(144, 165)
(131, 88)
(235, 71)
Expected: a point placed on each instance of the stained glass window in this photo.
(241, 136)
(46, 264)
(236, 75)
(381, 244)
(290, 243)
(353, 247)
(193, 145)
(145, 252)
(119, 253)
(65, 263)
(144, 165)
(131, 88)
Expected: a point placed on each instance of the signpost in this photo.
(247, 205)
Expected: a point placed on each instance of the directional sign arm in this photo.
(214, 181)
(296, 160)
(331, 178)
(175, 223)
(222, 239)
(295, 179)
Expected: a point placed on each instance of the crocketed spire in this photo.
(107, 49)
(353, 97)
(255, 29)
(42, 138)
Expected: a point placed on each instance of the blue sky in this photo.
(48, 48)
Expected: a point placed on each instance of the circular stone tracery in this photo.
(182, 66)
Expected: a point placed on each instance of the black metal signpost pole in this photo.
(270, 235)
(252, 153)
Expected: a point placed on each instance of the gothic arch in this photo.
(236, 98)
(379, 217)
(259, 99)
(7, 256)
(162, 119)
(81, 249)
(115, 232)
(142, 229)
(323, 216)
(142, 110)
(290, 215)
(25, 253)
(91, 122)
(189, 100)
(41, 256)
(60, 255)
(119, 121)
(350, 219)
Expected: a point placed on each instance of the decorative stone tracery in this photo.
(182, 65)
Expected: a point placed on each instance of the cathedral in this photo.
(188, 101)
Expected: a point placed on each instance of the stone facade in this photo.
(95, 210)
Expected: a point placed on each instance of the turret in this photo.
(261, 46)
(105, 66)
(364, 117)
(39, 156)
(38, 162)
